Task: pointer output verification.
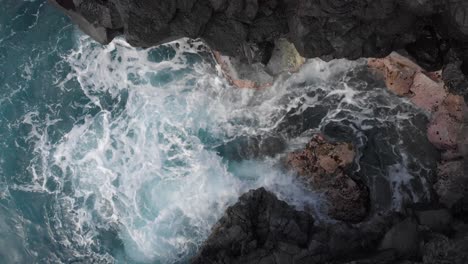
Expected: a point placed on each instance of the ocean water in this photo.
(112, 154)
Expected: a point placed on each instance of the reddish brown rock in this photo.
(322, 165)
(443, 131)
(445, 128)
(426, 93)
(398, 72)
(453, 105)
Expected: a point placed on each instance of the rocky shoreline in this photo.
(433, 33)
(254, 42)
(261, 229)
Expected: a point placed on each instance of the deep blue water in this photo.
(111, 154)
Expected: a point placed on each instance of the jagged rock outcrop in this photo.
(324, 167)
(259, 228)
(434, 33)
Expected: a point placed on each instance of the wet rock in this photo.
(244, 148)
(320, 158)
(262, 67)
(244, 75)
(405, 78)
(322, 165)
(377, 157)
(427, 91)
(80, 15)
(297, 121)
(403, 237)
(398, 72)
(259, 228)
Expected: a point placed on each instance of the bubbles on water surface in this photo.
(146, 167)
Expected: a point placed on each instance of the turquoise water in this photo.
(91, 171)
(111, 154)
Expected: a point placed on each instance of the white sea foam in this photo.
(145, 165)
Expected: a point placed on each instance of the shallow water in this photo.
(116, 154)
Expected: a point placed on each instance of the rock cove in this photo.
(259, 228)
(433, 33)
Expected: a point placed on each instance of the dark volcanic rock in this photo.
(434, 33)
(259, 228)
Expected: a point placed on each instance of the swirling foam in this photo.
(143, 164)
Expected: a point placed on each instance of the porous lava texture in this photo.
(323, 166)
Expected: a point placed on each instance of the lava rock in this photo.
(432, 32)
(259, 228)
(322, 165)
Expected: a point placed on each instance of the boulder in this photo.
(259, 228)
(398, 72)
(323, 166)
(427, 94)
(427, 91)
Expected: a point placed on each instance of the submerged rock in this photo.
(323, 166)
